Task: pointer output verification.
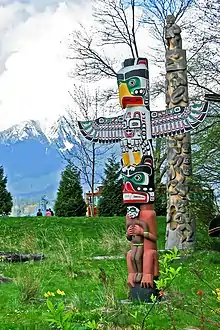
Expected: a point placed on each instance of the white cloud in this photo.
(34, 34)
(34, 79)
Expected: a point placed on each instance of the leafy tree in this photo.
(70, 202)
(111, 202)
(206, 155)
(203, 205)
(5, 196)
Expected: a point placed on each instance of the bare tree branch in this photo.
(133, 27)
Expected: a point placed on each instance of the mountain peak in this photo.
(25, 130)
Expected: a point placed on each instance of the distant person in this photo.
(39, 213)
(52, 213)
(48, 213)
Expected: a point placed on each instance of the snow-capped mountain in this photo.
(30, 158)
(60, 133)
(19, 132)
(31, 154)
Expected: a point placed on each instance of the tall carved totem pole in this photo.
(135, 130)
(180, 223)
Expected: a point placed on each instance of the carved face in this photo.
(132, 212)
(186, 147)
(170, 20)
(132, 124)
(138, 182)
(133, 83)
(187, 170)
(187, 160)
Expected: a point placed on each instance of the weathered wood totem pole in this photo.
(180, 223)
(135, 130)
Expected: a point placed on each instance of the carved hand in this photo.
(147, 281)
(130, 231)
(138, 230)
(131, 280)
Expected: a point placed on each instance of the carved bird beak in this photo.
(126, 99)
(123, 91)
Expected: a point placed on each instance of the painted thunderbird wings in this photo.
(169, 122)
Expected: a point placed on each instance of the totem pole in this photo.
(135, 130)
(180, 230)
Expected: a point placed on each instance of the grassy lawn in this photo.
(69, 245)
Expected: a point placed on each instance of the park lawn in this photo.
(69, 245)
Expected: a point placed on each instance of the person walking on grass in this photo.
(52, 213)
(39, 213)
(48, 213)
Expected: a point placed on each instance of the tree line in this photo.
(70, 201)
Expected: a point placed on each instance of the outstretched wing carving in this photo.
(103, 130)
(169, 122)
(177, 120)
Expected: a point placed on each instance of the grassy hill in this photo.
(69, 245)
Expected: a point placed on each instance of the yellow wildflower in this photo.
(218, 294)
(62, 293)
(49, 294)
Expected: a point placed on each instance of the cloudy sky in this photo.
(34, 38)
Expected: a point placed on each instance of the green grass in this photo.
(69, 245)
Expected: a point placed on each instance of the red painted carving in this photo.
(142, 259)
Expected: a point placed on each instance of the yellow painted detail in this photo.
(123, 91)
(125, 157)
(137, 157)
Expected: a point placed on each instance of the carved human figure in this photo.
(137, 243)
(137, 250)
(146, 230)
(173, 33)
(178, 83)
(184, 228)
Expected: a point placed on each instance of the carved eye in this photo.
(138, 177)
(101, 120)
(132, 82)
(136, 123)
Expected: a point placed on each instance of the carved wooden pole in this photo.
(180, 224)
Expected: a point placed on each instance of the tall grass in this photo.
(69, 246)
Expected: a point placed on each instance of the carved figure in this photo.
(143, 231)
(173, 33)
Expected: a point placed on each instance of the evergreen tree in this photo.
(70, 202)
(111, 202)
(5, 196)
